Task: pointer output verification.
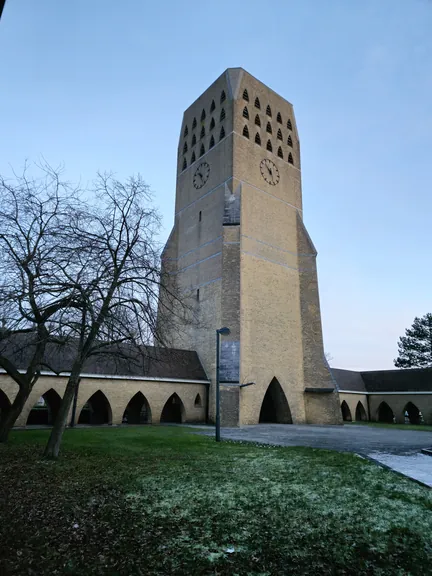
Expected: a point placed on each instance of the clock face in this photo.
(269, 172)
(201, 175)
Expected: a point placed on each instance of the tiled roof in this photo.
(409, 380)
(348, 380)
(149, 361)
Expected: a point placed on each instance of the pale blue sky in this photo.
(102, 85)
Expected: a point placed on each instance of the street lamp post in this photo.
(224, 331)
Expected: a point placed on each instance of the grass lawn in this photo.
(418, 427)
(162, 500)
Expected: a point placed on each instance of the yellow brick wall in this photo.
(352, 400)
(249, 276)
(397, 403)
(118, 392)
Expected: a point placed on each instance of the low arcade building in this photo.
(170, 387)
(390, 396)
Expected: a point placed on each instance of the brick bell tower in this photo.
(242, 257)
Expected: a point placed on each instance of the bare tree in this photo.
(116, 270)
(83, 277)
(2, 3)
(33, 213)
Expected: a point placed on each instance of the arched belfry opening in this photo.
(385, 413)
(412, 414)
(275, 408)
(96, 410)
(346, 412)
(173, 411)
(137, 411)
(44, 412)
(360, 414)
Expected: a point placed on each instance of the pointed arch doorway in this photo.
(275, 408)
(137, 411)
(385, 413)
(96, 410)
(346, 412)
(412, 414)
(173, 411)
(360, 414)
(44, 412)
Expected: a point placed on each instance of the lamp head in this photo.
(224, 331)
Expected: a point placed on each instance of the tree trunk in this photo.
(12, 414)
(53, 447)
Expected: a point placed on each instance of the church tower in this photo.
(242, 257)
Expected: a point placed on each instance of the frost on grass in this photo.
(164, 503)
(296, 498)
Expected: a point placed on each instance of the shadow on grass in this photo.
(162, 500)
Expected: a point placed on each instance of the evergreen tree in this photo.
(415, 348)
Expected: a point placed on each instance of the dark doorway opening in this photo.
(4, 404)
(360, 414)
(385, 413)
(275, 408)
(412, 414)
(346, 412)
(96, 410)
(44, 412)
(137, 411)
(173, 411)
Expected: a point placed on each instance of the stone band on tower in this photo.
(242, 256)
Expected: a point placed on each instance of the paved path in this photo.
(398, 449)
(349, 438)
(417, 466)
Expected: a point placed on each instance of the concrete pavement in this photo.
(396, 448)
(348, 438)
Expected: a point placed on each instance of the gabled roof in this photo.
(408, 380)
(149, 361)
(348, 380)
